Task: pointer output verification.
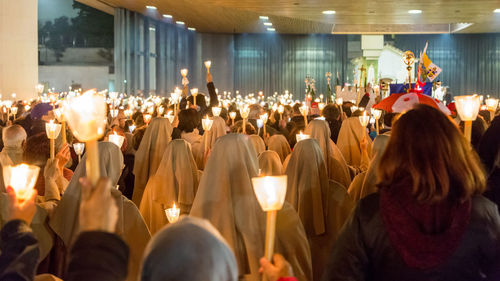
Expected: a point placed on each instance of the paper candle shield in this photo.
(86, 115)
(468, 107)
(79, 147)
(52, 129)
(22, 178)
(270, 191)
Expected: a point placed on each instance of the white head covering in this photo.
(148, 156)
(189, 250)
(226, 198)
(175, 181)
(130, 225)
(270, 164)
(323, 205)
(366, 183)
(335, 162)
(349, 141)
(258, 144)
(280, 145)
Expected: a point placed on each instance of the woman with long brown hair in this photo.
(429, 220)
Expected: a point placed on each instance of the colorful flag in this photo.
(431, 69)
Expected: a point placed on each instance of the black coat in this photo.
(363, 250)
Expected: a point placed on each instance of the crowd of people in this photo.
(416, 201)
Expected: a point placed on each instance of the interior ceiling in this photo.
(305, 16)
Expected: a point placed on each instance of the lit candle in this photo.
(208, 64)
(194, 93)
(321, 106)
(339, 102)
(270, 192)
(116, 139)
(58, 112)
(281, 109)
(232, 115)
(184, 72)
(86, 115)
(22, 179)
(173, 214)
(161, 109)
(207, 126)
(170, 116)
(244, 112)
(52, 129)
(491, 104)
(377, 113)
(468, 109)
(216, 111)
(147, 118)
(304, 110)
(300, 136)
(131, 128)
(79, 147)
(113, 113)
(264, 118)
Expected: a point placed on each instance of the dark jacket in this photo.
(98, 256)
(363, 250)
(20, 253)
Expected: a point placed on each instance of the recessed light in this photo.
(167, 16)
(329, 12)
(414, 11)
(268, 24)
(271, 29)
(151, 7)
(263, 17)
(179, 22)
(192, 28)
(496, 11)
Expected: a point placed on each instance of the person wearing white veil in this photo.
(365, 183)
(351, 135)
(173, 251)
(270, 164)
(323, 205)
(335, 162)
(258, 144)
(148, 157)
(218, 129)
(175, 181)
(280, 145)
(130, 225)
(226, 198)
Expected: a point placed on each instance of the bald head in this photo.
(13, 136)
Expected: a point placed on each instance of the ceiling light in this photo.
(167, 16)
(329, 12)
(496, 11)
(268, 24)
(414, 11)
(263, 17)
(179, 22)
(192, 28)
(152, 28)
(271, 29)
(151, 7)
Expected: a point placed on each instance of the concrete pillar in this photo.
(18, 48)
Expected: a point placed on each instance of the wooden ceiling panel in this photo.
(305, 16)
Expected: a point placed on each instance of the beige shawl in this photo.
(175, 181)
(365, 183)
(322, 205)
(270, 164)
(280, 145)
(336, 165)
(258, 144)
(349, 141)
(130, 225)
(226, 198)
(148, 156)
